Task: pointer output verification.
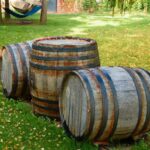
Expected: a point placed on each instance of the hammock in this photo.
(21, 11)
(31, 12)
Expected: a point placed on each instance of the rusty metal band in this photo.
(61, 68)
(24, 67)
(147, 91)
(45, 100)
(116, 105)
(15, 81)
(103, 89)
(77, 58)
(45, 107)
(92, 102)
(64, 49)
(131, 72)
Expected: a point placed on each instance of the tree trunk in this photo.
(146, 8)
(1, 20)
(122, 7)
(7, 16)
(113, 11)
(43, 18)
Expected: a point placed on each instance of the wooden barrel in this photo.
(15, 70)
(51, 59)
(103, 103)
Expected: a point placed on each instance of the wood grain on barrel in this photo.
(51, 59)
(15, 70)
(7, 69)
(114, 102)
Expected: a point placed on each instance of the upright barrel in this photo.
(51, 59)
(103, 103)
(15, 70)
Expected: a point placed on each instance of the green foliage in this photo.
(141, 146)
(89, 5)
(141, 5)
(138, 5)
(128, 5)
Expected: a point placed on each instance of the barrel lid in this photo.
(74, 96)
(64, 42)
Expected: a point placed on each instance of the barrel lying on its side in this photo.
(101, 103)
(15, 70)
(51, 59)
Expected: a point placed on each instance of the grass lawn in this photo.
(122, 41)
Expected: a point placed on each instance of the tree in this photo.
(43, 18)
(7, 16)
(112, 5)
(1, 20)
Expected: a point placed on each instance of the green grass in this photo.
(122, 41)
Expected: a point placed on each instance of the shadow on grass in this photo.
(60, 25)
(57, 25)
